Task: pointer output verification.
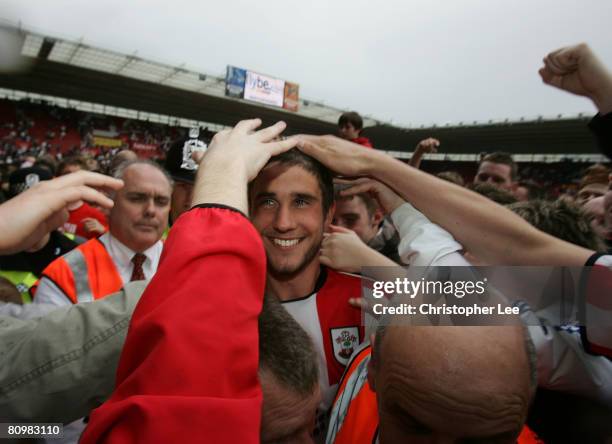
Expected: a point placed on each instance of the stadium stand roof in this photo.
(77, 71)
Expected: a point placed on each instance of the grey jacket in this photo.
(59, 367)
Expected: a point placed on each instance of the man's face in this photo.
(181, 199)
(140, 214)
(348, 131)
(591, 192)
(287, 210)
(352, 213)
(287, 416)
(497, 174)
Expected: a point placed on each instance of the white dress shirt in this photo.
(49, 293)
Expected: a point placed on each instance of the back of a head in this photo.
(289, 376)
(120, 157)
(452, 176)
(25, 178)
(595, 174)
(562, 219)
(457, 382)
(494, 193)
(71, 164)
(295, 157)
(285, 349)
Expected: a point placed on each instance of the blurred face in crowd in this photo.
(608, 213)
(352, 213)
(521, 193)
(595, 209)
(348, 131)
(497, 174)
(450, 384)
(287, 416)
(591, 191)
(70, 168)
(287, 210)
(140, 214)
(181, 199)
(92, 165)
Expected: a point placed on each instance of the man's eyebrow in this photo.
(264, 194)
(305, 196)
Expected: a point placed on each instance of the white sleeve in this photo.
(48, 293)
(423, 243)
(564, 366)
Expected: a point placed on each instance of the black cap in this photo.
(21, 180)
(174, 160)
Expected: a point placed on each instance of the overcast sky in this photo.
(411, 62)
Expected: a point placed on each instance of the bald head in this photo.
(452, 382)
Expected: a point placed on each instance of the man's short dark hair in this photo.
(561, 219)
(295, 157)
(285, 349)
(369, 202)
(351, 117)
(68, 161)
(493, 193)
(503, 158)
(452, 176)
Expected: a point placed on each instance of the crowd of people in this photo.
(143, 301)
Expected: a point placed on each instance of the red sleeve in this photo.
(188, 370)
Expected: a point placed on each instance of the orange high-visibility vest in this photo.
(354, 416)
(84, 274)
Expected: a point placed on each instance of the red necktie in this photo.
(138, 273)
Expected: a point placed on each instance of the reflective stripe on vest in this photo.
(354, 416)
(78, 265)
(23, 281)
(85, 274)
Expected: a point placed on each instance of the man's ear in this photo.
(371, 367)
(329, 217)
(377, 217)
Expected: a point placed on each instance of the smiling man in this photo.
(292, 206)
(129, 251)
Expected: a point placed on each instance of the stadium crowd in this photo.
(240, 284)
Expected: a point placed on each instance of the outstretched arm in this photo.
(488, 230)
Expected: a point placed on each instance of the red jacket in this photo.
(363, 141)
(188, 370)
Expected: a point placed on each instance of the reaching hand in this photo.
(26, 218)
(576, 69)
(387, 199)
(339, 155)
(343, 250)
(92, 225)
(429, 145)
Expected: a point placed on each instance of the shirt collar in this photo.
(123, 254)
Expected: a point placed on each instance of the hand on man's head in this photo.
(234, 157)
(246, 148)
